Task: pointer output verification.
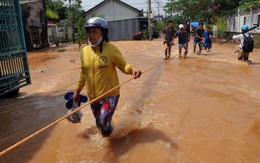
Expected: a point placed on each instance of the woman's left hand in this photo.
(136, 73)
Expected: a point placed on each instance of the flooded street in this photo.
(205, 108)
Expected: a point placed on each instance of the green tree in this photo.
(222, 26)
(225, 7)
(71, 11)
(249, 4)
(81, 31)
(194, 9)
(201, 10)
(74, 13)
(58, 7)
(179, 19)
(158, 26)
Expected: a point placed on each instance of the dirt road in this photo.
(205, 108)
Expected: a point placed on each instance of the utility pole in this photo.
(158, 8)
(72, 9)
(149, 20)
(44, 33)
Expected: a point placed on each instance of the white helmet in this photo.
(181, 26)
(97, 22)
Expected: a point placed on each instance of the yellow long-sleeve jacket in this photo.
(98, 70)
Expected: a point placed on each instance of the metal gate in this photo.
(14, 69)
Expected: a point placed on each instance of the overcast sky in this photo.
(140, 4)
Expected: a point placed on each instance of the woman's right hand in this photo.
(136, 72)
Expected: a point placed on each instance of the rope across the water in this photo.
(67, 115)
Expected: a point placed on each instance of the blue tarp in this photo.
(194, 24)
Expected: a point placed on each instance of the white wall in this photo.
(113, 10)
(251, 18)
(123, 29)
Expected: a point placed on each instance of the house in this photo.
(53, 35)
(251, 18)
(113, 10)
(123, 19)
(34, 23)
(65, 31)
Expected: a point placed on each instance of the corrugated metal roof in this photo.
(29, 1)
(118, 1)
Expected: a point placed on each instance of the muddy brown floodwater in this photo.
(205, 108)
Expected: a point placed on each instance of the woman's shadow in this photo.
(117, 147)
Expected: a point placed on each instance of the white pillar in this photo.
(251, 18)
(238, 21)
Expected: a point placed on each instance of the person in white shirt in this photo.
(242, 55)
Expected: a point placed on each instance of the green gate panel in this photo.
(14, 69)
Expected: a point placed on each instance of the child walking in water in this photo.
(208, 35)
(187, 29)
(98, 73)
(198, 37)
(168, 34)
(182, 40)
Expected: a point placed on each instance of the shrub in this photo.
(222, 26)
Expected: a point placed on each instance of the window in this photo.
(244, 20)
(258, 21)
(234, 23)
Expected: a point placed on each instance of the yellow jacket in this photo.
(98, 70)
